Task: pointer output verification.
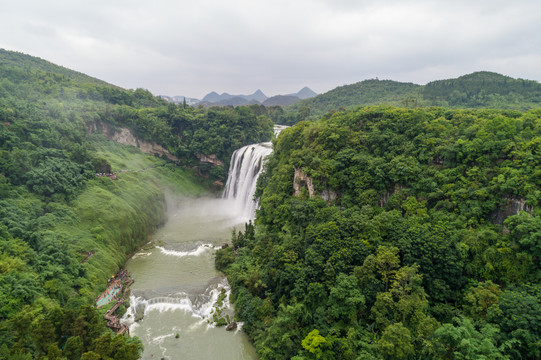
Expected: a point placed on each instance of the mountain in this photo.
(61, 225)
(237, 101)
(367, 92)
(397, 252)
(304, 93)
(214, 97)
(281, 100)
(13, 59)
(258, 97)
(482, 89)
(29, 78)
(224, 98)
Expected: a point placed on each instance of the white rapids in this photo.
(177, 288)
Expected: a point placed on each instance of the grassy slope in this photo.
(115, 217)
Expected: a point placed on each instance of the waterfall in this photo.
(200, 305)
(245, 167)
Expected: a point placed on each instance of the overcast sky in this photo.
(189, 48)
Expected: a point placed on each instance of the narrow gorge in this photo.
(177, 291)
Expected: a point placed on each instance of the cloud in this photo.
(191, 48)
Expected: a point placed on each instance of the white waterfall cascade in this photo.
(200, 306)
(245, 167)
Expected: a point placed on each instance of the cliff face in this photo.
(125, 137)
(211, 159)
(301, 180)
(386, 197)
(511, 207)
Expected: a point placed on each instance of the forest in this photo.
(479, 90)
(64, 230)
(395, 233)
(383, 233)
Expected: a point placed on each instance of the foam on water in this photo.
(168, 298)
(202, 307)
(160, 339)
(201, 249)
(141, 254)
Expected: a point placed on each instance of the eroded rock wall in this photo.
(124, 136)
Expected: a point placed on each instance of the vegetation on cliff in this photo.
(415, 234)
(63, 229)
(34, 90)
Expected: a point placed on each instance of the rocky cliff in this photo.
(125, 137)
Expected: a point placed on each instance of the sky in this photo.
(190, 48)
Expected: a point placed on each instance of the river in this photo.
(176, 285)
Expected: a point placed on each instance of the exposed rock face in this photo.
(385, 198)
(301, 180)
(218, 185)
(210, 159)
(155, 149)
(125, 137)
(329, 195)
(512, 206)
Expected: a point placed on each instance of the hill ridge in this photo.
(481, 89)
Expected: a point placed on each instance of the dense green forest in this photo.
(403, 239)
(64, 230)
(363, 93)
(477, 90)
(184, 131)
(411, 234)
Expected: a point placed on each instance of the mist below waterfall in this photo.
(176, 286)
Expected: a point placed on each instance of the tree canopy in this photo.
(417, 239)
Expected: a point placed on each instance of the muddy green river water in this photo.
(176, 286)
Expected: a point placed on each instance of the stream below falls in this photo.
(176, 285)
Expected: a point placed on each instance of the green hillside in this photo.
(184, 131)
(484, 90)
(477, 90)
(367, 92)
(27, 78)
(32, 64)
(394, 233)
(64, 230)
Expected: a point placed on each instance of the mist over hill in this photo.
(179, 99)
